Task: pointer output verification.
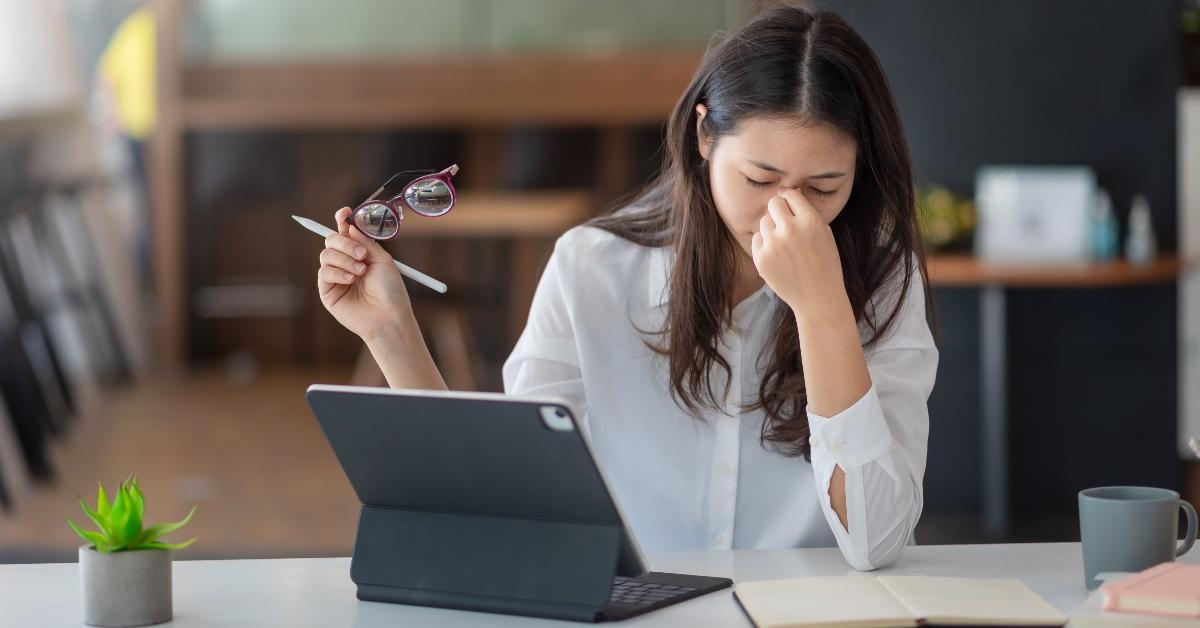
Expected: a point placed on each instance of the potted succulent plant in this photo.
(125, 569)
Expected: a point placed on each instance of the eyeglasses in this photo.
(430, 195)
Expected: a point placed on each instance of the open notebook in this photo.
(886, 601)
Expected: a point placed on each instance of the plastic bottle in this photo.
(1140, 245)
(1102, 229)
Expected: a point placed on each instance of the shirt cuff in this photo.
(854, 436)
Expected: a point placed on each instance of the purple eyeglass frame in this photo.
(397, 203)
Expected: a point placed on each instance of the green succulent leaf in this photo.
(99, 541)
(116, 513)
(152, 533)
(116, 536)
(102, 505)
(119, 516)
(131, 528)
(168, 546)
(100, 520)
(139, 501)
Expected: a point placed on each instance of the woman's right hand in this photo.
(359, 283)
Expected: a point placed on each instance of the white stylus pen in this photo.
(407, 271)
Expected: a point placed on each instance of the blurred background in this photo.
(158, 313)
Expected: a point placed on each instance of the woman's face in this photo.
(769, 154)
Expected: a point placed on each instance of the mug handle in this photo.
(1190, 538)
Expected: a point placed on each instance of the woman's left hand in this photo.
(795, 253)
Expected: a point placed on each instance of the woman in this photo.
(746, 342)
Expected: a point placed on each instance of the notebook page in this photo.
(974, 601)
(852, 601)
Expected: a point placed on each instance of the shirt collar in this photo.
(659, 273)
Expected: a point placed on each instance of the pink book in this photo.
(1166, 589)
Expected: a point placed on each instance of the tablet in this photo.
(487, 466)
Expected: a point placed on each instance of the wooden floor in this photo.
(248, 453)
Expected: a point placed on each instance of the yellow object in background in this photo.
(947, 220)
(128, 66)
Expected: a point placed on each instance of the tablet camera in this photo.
(557, 419)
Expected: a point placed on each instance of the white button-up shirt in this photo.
(687, 484)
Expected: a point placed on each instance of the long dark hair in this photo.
(788, 61)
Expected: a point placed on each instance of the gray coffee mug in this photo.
(1130, 528)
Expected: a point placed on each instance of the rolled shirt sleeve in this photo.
(880, 442)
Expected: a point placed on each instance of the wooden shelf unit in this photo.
(479, 95)
(951, 271)
(508, 91)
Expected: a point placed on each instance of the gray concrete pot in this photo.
(125, 588)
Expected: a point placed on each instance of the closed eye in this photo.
(763, 184)
(757, 184)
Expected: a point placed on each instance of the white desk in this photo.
(318, 591)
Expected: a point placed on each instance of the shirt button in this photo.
(837, 445)
(725, 468)
(721, 539)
